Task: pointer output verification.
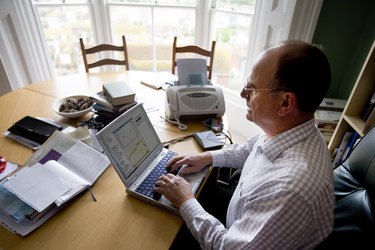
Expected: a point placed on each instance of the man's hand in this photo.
(194, 163)
(175, 188)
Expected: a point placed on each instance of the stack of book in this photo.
(348, 141)
(326, 121)
(116, 98)
(328, 115)
(118, 93)
(368, 109)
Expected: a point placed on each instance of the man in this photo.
(284, 198)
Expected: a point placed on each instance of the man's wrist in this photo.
(189, 209)
(186, 200)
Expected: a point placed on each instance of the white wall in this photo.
(22, 47)
(5, 86)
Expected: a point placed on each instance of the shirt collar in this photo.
(274, 146)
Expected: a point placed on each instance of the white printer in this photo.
(185, 101)
(192, 95)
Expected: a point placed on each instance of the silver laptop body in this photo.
(133, 147)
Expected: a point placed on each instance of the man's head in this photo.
(287, 84)
(304, 69)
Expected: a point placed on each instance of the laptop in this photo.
(136, 152)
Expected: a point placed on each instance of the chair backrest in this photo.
(354, 180)
(196, 50)
(107, 48)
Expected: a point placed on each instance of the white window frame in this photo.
(23, 49)
(200, 16)
(301, 25)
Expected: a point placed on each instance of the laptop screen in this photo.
(129, 139)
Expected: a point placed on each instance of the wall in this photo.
(346, 30)
(22, 47)
(5, 86)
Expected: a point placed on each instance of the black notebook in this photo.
(34, 129)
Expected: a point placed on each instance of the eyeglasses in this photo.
(246, 92)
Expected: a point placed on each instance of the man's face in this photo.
(260, 93)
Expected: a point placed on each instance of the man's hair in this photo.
(304, 70)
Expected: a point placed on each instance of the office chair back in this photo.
(209, 54)
(106, 48)
(354, 180)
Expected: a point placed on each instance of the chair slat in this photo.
(196, 50)
(104, 48)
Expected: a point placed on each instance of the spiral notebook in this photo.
(29, 183)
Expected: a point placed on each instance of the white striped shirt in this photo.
(284, 199)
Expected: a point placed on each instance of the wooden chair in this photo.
(108, 48)
(196, 50)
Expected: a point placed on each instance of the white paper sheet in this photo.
(10, 168)
(39, 186)
(192, 71)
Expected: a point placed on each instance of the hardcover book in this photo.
(101, 103)
(118, 93)
(366, 113)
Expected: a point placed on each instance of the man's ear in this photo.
(288, 103)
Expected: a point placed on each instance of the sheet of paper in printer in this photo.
(192, 72)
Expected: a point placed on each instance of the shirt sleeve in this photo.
(262, 220)
(233, 156)
(205, 228)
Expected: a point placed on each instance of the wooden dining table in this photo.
(116, 220)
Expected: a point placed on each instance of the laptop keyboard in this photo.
(148, 184)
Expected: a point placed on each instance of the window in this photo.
(149, 27)
(63, 23)
(149, 30)
(231, 24)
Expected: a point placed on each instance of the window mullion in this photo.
(305, 19)
(201, 31)
(99, 11)
(153, 43)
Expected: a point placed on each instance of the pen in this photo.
(3, 164)
(92, 194)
